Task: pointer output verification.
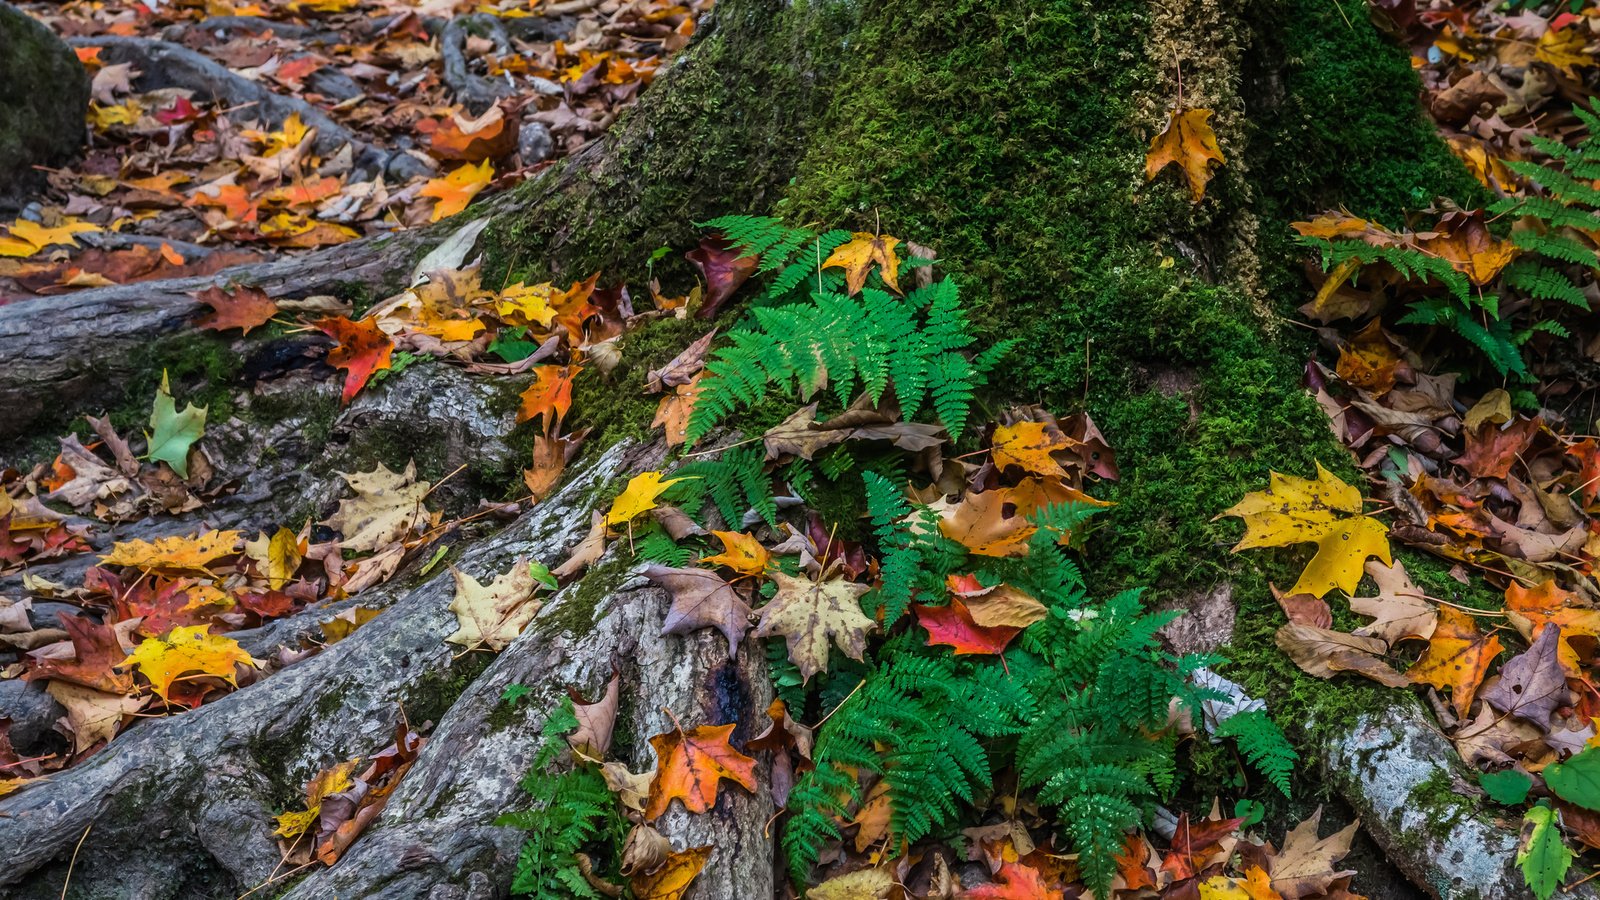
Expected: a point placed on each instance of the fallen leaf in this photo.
(1457, 658)
(1028, 445)
(862, 884)
(952, 625)
(672, 414)
(1530, 609)
(362, 349)
(1195, 844)
(1295, 510)
(857, 256)
(638, 497)
(97, 650)
(185, 651)
(1013, 881)
(455, 190)
(1492, 450)
(691, 764)
(92, 716)
(386, 508)
(244, 308)
(172, 433)
(1188, 141)
(1324, 653)
(683, 368)
(1304, 867)
(671, 881)
(178, 553)
(277, 557)
(813, 615)
(592, 737)
(493, 615)
(549, 396)
(740, 552)
(980, 523)
(724, 267)
(702, 599)
(332, 780)
(1399, 612)
(1532, 684)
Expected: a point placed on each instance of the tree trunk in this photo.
(1008, 136)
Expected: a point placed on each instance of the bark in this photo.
(847, 112)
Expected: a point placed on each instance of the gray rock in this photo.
(534, 143)
(32, 712)
(44, 96)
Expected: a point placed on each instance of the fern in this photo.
(844, 342)
(1262, 743)
(574, 809)
(655, 545)
(735, 482)
(909, 559)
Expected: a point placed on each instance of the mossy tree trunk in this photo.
(1009, 136)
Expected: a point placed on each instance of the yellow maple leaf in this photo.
(858, 255)
(1188, 141)
(456, 190)
(277, 557)
(1300, 510)
(1027, 445)
(293, 132)
(638, 497)
(191, 553)
(493, 615)
(187, 649)
(330, 781)
(741, 553)
(524, 304)
(25, 238)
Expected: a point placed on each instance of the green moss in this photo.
(578, 613)
(429, 697)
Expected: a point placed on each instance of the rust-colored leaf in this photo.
(690, 766)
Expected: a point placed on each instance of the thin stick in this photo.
(74, 860)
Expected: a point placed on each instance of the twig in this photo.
(74, 861)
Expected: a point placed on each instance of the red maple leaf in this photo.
(363, 349)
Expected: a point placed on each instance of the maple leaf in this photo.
(179, 553)
(1530, 609)
(493, 615)
(1304, 867)
(1492, 450)
(683, 368)
(672, 879)
(25, 238)
(638, 497)
(1458, 657)
(332, 780)
(701, 599)
(981, 524)
(1195, 843)
(1189, 142)
(362, 349)
(672, 414)
(952, 625)
(550, 395)
(596, 721)
(459, 139)
(97, 650)
(1369, 361)
(243, 308)
(92, 716)
(740, 552)
(1532, 684)
(1399, 611)
(523, 304)
(691, 764)
(811, 615)
(1464, 241)
(172, 433)
(1028, 445)
(386, 508)
(1013, 881)
(862, 884)
(455, 190)
(1295, 510)
(857, 255)
(549, 461)
(186, 650)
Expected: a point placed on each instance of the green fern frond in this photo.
(1261, 742)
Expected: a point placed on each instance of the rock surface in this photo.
(44, 92)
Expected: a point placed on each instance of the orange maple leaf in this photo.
(1189, 142)
(741, 553)
(1028, 445)
(1530, 609)
(455, 190)
(1014, 881)
(953, 626)
(363, 349)
(691, 764)
(245, 308)
(1458, 657)
(550, 395)
(981, 524)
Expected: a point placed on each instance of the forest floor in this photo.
(1460, 366)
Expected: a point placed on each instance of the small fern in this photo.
(574, 809)
(736, 481)
(1261, 742)
(655, 545)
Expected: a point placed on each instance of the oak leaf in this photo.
(857, 256)
(362, 349)
(184, 651)
(701, 599)
(455, 190)
(1189, 142)
(813, 615)
(691, 764)
(177, 553)
(1457, 658)
(740, 552)
(243, 308)
(493, 615)
(638, 497)
(386, 508)
(1294, 510)
(671, 881)
(952, 625)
